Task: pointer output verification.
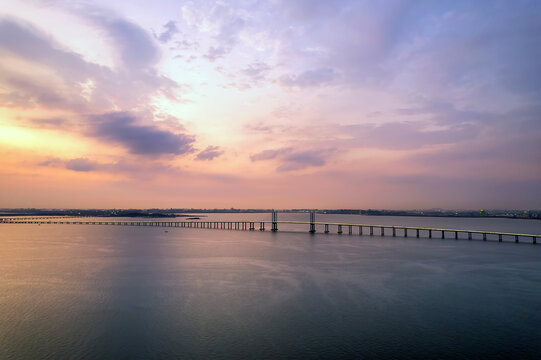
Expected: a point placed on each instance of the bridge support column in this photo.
(443, 234)
(534, 240)
(405, 232)
(350, 229)
(469, 236)
(326, 228)
(484, 236)
(417, 232)
(339, 229)
(261, 226)
(394, 231)
(312, 222)
(382, 229)
(274, 226)
(430, 234)
(371, 230)
(360, 230)
(456, 235)
(516, 238)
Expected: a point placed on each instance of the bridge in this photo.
(250, 225)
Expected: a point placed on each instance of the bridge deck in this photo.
(250, 225)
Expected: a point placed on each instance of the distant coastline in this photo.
(189, 213)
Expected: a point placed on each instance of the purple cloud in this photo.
(81, 164)
(185, 45)
(170, 30)
(135, 45)
(112, 89)
(270, 154)
(214, 53)
(256, 71)
(210, 153)
(301, 160)
(121, 128)
(293, 160)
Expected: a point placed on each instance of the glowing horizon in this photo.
(270, 104)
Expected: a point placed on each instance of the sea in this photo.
(130, 292)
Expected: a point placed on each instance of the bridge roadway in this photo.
(405, 231)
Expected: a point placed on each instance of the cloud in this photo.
(47, 122)
(221, 22)
(20, 39)
(270, 154)
(309, 78)
(290, 159)
(54, 162)
(23, 39)
(61, 84)
(210, 153)
(44, 123)
(25, 93)
(121, 128)
(170, 30)
(214, 53)
(302, 159)
(81, 164)
(134, 44)
(509, 141)
(407, 135)
(185, 45)
(256, 71)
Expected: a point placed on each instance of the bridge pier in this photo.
(382, 230)
(417, 232)
(394, 231)
(274, 226)
(326, 228)
(350, 229)
(430, 234)
(405, 232)
(312, 222)
(371, 230)
(339, 229)
(360, 230)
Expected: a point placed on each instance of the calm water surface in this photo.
(106, 292)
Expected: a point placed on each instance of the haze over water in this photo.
(115, 292)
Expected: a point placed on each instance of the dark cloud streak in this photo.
(122, 128)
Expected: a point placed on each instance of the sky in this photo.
(270, 104)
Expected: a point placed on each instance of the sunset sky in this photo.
(270, 104)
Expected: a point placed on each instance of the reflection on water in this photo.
(106, 292)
